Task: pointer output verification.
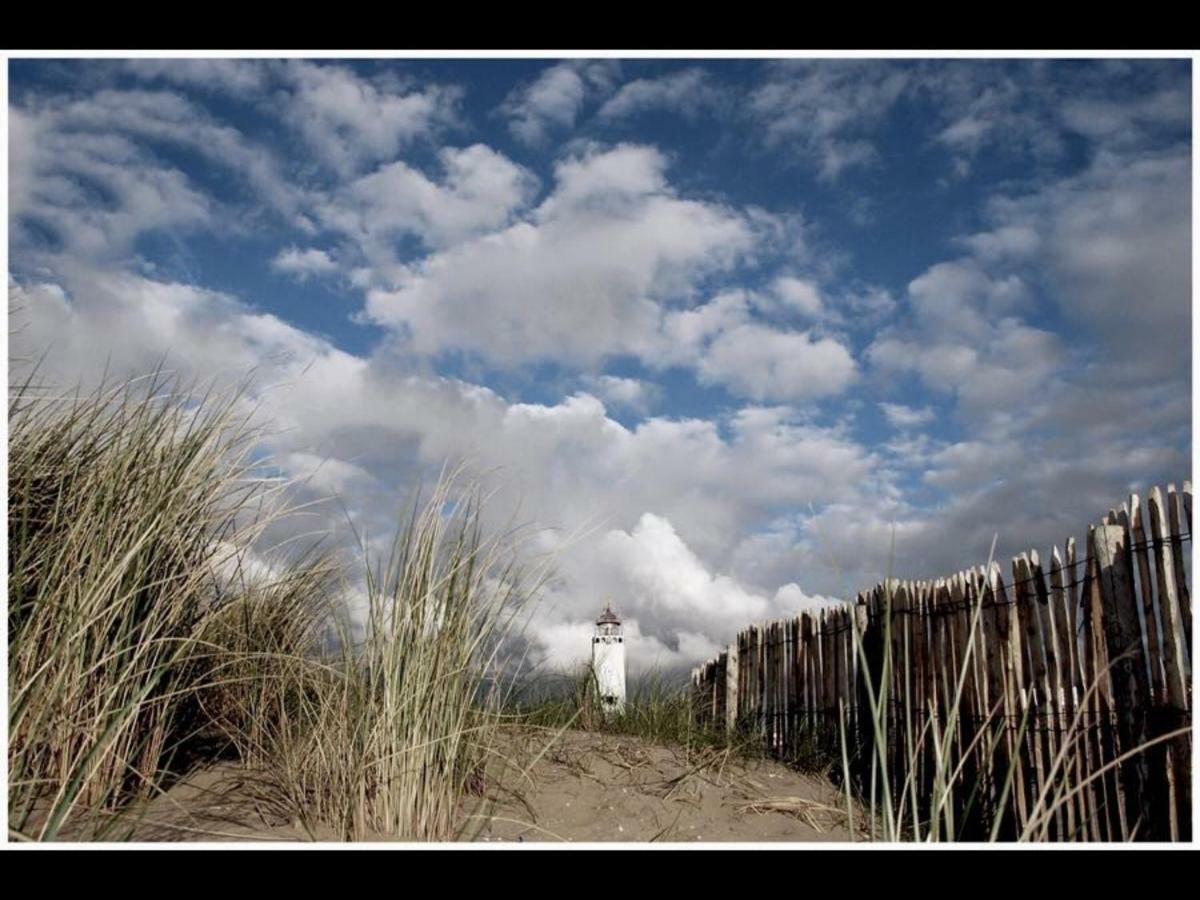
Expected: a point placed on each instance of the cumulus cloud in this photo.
(767, 364)
(479, 190)
(660, 577)
(1123, 122)
(687, 93)
(901, 416)
(1116, 242)
(581, 278)
(753, 359)
(553, 101)
(634, 394)
(233, 76)
(351, 121)
(799, 295)
(56, 179)
(594, 271)
(359, 428)
(303, 264)
(1051, 338)
(83, 176)
(831, 114)
(827, 110)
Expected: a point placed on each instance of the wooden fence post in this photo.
(1123, 640)
(731, 690)
(1093, 654)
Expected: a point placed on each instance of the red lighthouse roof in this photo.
(608, 617)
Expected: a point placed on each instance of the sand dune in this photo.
(580, 787)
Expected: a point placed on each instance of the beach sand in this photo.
(576, 787)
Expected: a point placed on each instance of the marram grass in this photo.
(136, 646)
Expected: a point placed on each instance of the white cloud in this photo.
(901, 416)
(675, 610)
(240, 77)
(695, 525)
(687, 93)
(594, 272)
(825, 111)
(56, 179)
(554, 100)
(1117, 244)
(83, 170)
(579, 280)
(360, 428)
(351, 121)
(1124, 121)
(303, 264)
(763, 363)
(480, 190)
(959, 298)
(634, 394)
(799, 295)
(726, 346)
(1008, 242)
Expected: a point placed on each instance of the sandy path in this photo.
(590, 787)
(585, 788)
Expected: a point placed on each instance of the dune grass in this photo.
(147, 635)
(386, 732)
(123, 509)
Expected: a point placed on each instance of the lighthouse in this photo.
(608, 661)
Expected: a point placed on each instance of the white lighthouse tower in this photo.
(608, 661)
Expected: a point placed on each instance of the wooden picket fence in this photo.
(1059, 676)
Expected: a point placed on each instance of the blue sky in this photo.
(722, 325)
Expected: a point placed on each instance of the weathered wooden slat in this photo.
(1174, 516)
(900, 670)
(1014, 702)
(941, 663)
(1160, 789)
(973, 636)
(1186, 496)
(1064, 660)
(760, 687)
(745, 659)
(1173, 654)
(1111, 797)
(811, 663)
(935, 663)
(785, 694)
(776, 682)
(843, 689)
(915, 679)
(824, 673)
(1131, 698)
(731, 689)
(957, 619)
(789, 685)
(1043, 651)
(1089, 714)
(1174, 637)
(768, 687)
(992, 672)
(873, 651)
(1023, 679)
(1151, 620)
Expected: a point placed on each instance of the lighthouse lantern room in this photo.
(608, 661)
